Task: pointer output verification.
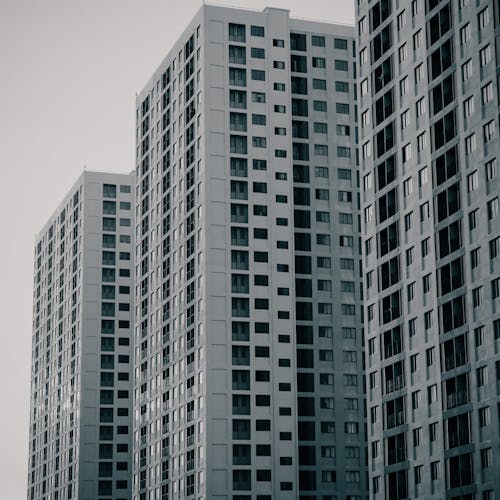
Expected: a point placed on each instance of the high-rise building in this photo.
(248, 325)
(81, 385)
(431, 240)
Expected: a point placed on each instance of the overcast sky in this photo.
(69, 71)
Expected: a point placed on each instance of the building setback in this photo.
(431, 242)
(248, 326)
(81, 383)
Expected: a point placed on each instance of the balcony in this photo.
(457, 399)
(395, 419)
(394, 384)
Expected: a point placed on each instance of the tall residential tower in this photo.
(248, 325)
(431, 241)
(81, 383)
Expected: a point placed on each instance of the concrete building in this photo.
(248, 326)
(431, 240)
(81, 383)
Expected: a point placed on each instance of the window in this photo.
(475, 258)
(322, 194)
(479, 334)
(485, 55)
(324, 262)
(483, 18)
(319, 84)
(238, 77)
(260, 256)
(421, 108)
(340, 43)
(344, 174)
(487, 93)
(403, 86)
(109, 190)
(486, 458)
(473, 218)
(419, 73)
(434, 470)
(364, 87)
(484, 416)
(237, 99)
(482, 376)
(489, 131)
(258, 97)
(238, 122)
(348, 309)
(237, 54)
(493, 208)
(468, 106)
(319, 62)
(257, 30)
(477, 296)
(321, 150)
(465, 34)
(401, 20)
(408, 225)
(258, 75)
(238, 144)
(363, 56)
(259, 142)
(351, 427)
(365, 118)
(470, 144)
(236, 32)
(472, 181)
(341, 65)
(406, 152)
(423, 176)
(320, 106)
(403, 53)
(494, 248)
(467, 70)
(343, 152)
(405, 119)
(428, 320)
(342, 108)
(259, 187)
(408, 186)
(257, 53)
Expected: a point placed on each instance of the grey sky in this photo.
(69, 71)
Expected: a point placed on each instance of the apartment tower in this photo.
(248, 324)
(428, 108)
(80, 443)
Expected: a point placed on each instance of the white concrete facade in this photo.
(249, 357)
(81, 398)
(429, 145)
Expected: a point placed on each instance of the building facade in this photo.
(81, 383)
(248, 325)
(429, 143)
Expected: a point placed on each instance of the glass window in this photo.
(236, 32)
(257, 30)
(317, 41)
